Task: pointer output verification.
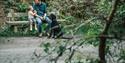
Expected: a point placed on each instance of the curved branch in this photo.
(102, 44)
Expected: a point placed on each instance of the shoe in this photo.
(40, 35)
(30, 29)
(47, 34)
(36, 29)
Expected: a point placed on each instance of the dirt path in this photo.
(27, 50)
(19, 49)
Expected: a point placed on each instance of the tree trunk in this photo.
(102, 44)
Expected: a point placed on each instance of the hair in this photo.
(29, 4)
(29, 8)
(41, 0)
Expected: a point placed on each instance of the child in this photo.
(31, 15)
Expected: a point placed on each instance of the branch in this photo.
(110, 17)
(111, 37)
(73, 50)
(102, 44)
(60, 54)
(71, 55)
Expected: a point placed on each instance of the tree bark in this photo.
(102, 44)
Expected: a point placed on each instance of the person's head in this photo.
(30, 8)
(37, 1)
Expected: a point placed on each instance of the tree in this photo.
(103, 39)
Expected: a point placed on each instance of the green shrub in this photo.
(22, 7)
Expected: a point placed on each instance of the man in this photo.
(40, 8)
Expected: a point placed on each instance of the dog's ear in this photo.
(50, 17)
(53, 16)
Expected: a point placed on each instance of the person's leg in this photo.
(30, 26)
(50, 34)
(30, 23)
(35, 26)
(49, 21)
(39, 23)
(34, 22)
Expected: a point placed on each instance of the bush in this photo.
(22, 7)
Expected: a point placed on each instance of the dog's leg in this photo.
(60, 35)
(50, 34)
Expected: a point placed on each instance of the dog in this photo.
(55, 31)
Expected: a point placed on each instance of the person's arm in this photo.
(33, 14)
(44, 16)
(37, 15)
(45, 7)
(45, 11)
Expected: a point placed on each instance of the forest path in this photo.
(27, 49)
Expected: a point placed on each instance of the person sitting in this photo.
(31, 18)
(40, 8)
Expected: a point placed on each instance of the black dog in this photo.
(55, 31)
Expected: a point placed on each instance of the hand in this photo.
(35, 14)
(42, 18)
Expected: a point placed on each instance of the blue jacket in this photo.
(40, 8)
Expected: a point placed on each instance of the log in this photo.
(17, 22)
(27, 22)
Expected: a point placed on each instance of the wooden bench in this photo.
(12, 20)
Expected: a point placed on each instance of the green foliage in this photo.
(16, 5)
(104, 7)
(95, 28)
(9, 3)
(22, 18)
(122, 56)
(46, 47)
(22, 7)
(22, 32)
(118, 24)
